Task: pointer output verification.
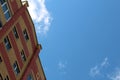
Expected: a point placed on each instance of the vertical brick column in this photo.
(29, 28)
(14, 5)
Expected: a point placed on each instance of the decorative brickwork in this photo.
(21, 20)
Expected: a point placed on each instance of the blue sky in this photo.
(80, 38)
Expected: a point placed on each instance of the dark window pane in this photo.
(7, 43)
(8, 46)
(16, 68)
(2, 1)
(23, 56)
(25, 35)
(0, 24)
(0, 59)
(1, 77)
(5, 40)
(15, 33)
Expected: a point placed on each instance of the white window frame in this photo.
(25, 35)
(16, 67)
(7, 43)
(23, 56)
(7, 10)
(15, 33)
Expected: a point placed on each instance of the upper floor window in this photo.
(1, 77)
(23, 55)
(7, 43)
(0, 24)
(25, 35)
(5, 9)
(0, 59)
(15, 33)
(16, 68)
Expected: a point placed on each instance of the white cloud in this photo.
(105, 62)
(40, 15)
(97, 69)
(62, 66)
(94, 71)
(115, 75)
(100, 71)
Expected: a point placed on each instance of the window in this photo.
(0, 59)
(25, 35)
(15, 33)
(30, 77)
(1, 77)
(16, 68)
(5, 9)
(23, 56)
(0, 24)
(7, 43)
(7, 78)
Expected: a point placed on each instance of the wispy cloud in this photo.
(40, 15)
(96, 70)
(62, 66)
(105, 62)
(115, 75)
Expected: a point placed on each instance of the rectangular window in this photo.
(7, 43)
(25, 35)
(0, 24)
(23, 55)
(1, 77)
(2, 1)
(0, 59)
(16, 68)
(15, 33)
(5, 9)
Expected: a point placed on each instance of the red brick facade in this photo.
(20, 19)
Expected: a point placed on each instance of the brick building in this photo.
(19, 48)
